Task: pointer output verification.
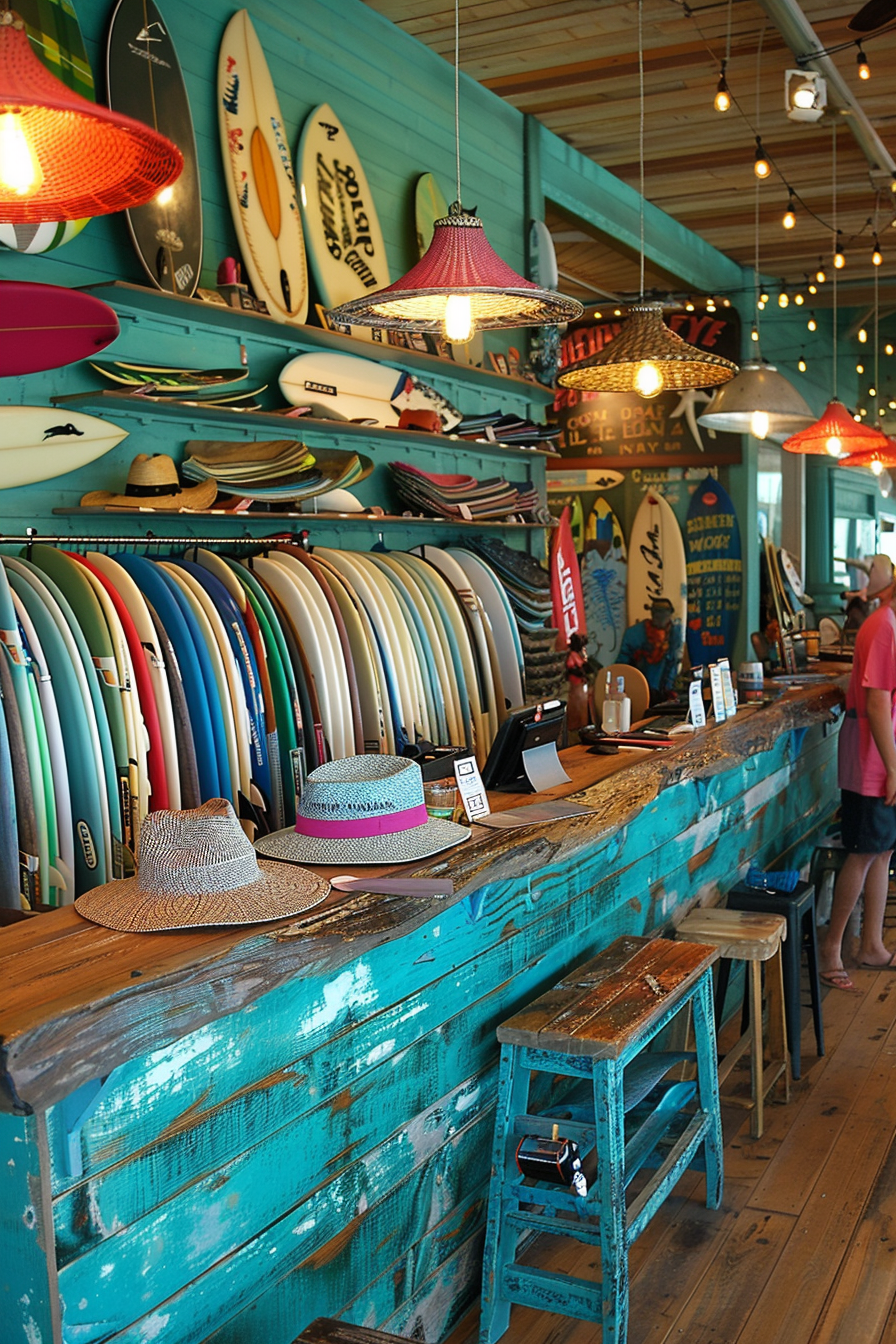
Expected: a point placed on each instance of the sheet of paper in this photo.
(543, 768)
(552, 809)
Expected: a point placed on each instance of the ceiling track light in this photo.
(805, 95)
(862, 67)
(722, 100)
(761, 166)
(789, 220)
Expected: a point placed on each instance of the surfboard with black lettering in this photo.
(342, 230)
(261, 185)
(715, 574)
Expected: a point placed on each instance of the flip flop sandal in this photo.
(838, 979)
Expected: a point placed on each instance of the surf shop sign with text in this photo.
(621, 429)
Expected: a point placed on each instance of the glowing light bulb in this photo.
(804, 97)
(763, 297)
(812, 324)
(458, 318)
(761, 166)
(877, 466)
(834, 446)
(165, 196)
(761, 305)
(813, 288)
(710, 304)
(722, 100)
(860, 368)
(649, 381)
(839, 260)
(754, 333)
(888, 349)
(20, 172)
(862, 66)
(877, 257)
(598, 316)
(759, 424)
(799, 300)
(892, 405)
(802, 365)
(789, 220)
(820, 275)
(872, 391)
(863, 335)
(783, 299)
(689, 306)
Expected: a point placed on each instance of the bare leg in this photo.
(847, 890)
(872, 951)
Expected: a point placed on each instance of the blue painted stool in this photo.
(595, 1027)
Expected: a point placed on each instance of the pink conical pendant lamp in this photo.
(461, 283)
(63, 157)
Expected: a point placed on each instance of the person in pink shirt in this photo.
(866, 774)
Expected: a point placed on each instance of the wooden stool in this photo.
(747, 936)
(798, 908)
(326, 1330)
(595, 1027)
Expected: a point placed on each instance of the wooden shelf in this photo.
(121, 295)
(286, 427)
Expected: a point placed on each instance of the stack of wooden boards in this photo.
(131, 684)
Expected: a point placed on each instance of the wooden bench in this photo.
(327, 1330)
(594, 1028)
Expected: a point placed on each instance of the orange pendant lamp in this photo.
(63, 157)
(834, 434)
(877, 460)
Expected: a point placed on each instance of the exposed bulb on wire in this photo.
(799, 299)
(783, 299)
(722, 100)
(862, 67)
(876, 255)
(458, 318)
(839, 258)
(20, 170)
(801, 364)
(862, 335)
(754, 332)
(789, 220)
(888, 349)
(820, 275)
(812, 324)
(711, 304)
(649, 381)
(761, 166)
(834, 446)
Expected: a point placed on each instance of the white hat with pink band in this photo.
(364, 809)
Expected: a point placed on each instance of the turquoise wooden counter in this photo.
(220, 1136)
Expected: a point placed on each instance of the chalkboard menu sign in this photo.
(621, 429)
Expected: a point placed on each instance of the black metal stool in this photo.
(798, 908)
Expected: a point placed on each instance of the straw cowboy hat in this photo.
(153, 483)
(880, 575)
(197, 869)
(365, 809)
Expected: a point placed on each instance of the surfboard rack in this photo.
(146, 539)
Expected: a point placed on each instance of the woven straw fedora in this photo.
(365, 809)
(153, 483)
(197, 869)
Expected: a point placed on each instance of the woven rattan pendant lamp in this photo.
(63, 157)
(460, 284)
(646, 356)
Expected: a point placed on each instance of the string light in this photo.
(819, 274)
(710, 304)
(783, 297)
(722, 100)
(860, 368)
(802, 365)
(839, 258)
(863, 335)
(812, 324)
(754, 332)
(761, 166)
(862, 66)
(876, 256)
(789, 220)
(689, 306)
(799, 299)
(888, 349)
(812, 287)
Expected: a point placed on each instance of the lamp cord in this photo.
(641, 130)
(457, 91)
(836, 244)
(756, 281)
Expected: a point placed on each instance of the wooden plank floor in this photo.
(803, 1249)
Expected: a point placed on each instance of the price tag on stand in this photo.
(471, 789)
(718, 695)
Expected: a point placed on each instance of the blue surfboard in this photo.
(715, 573)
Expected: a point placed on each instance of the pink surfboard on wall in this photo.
(47, 326)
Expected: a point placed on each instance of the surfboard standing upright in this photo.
(144, 81)
(258, 170)
(345, 241)
(656, 563)
(604, 571)
(55, 37)
(715, 574)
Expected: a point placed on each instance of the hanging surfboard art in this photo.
(342, 230)
(715, 574)
(261, 187)
(144, 81)
(656, 562)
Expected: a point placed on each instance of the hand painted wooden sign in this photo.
(715, 574)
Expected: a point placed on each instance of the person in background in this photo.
(867, 777)
(654, 647)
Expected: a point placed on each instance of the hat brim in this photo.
(278, 894)
(420, 842)
(201, 496)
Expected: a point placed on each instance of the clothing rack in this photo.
(31, 538)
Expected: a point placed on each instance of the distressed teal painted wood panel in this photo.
(445, 1157)
(440, 1303)
(28, 1309)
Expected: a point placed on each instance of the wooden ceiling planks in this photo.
(574, 65)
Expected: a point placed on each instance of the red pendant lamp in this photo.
(63, 157)
(877, 460)
(460, 284)
(834, 434)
